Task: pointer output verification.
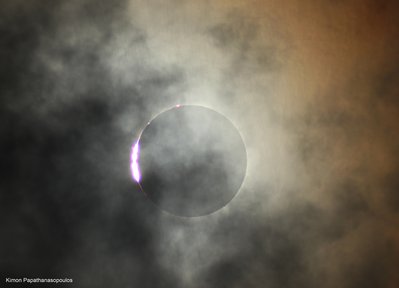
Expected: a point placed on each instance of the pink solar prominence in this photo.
(134, 164)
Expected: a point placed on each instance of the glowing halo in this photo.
(236, 157)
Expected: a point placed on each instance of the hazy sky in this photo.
(311, 85)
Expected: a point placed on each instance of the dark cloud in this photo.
(69, 208)
(242, 36)
(391, 185)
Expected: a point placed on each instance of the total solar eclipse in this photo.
(189, 160)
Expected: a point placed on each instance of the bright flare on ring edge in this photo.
(134, 164)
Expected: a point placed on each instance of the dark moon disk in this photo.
(192, 160)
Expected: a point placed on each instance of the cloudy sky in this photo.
(311, 85)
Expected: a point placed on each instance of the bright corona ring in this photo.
(189, 160)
